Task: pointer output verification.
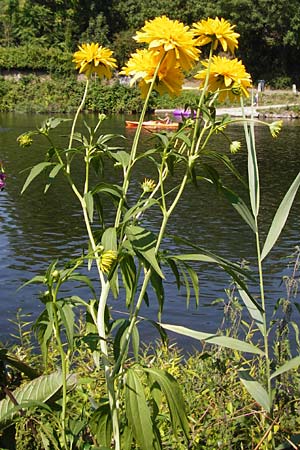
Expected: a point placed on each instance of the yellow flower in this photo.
(235, 146)
(216, 31)
(228, 76)
(170, 36)
(25, 140)
(107, 259)
(275, 128)
(94, 58)
(148, 185)
(142, 66)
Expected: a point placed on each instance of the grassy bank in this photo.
(32, 93)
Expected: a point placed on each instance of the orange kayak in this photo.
(153, 125)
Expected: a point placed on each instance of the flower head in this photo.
(142, 67)
(94, 58)
(148, 185)
(170, 36)
(107, 259)
(228, 76)
(25, 140)
(3, 177)
(217, 31)
(235, 146)
(275, 128)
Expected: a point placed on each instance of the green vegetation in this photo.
(30, 29)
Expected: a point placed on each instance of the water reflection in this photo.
(37, 228)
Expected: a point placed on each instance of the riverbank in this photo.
(35, 94)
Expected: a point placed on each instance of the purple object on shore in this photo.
(182, 112)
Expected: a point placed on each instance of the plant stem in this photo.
(75, 121)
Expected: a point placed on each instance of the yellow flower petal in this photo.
(218, 31)
(169, 35)
(228, 76)
(94, 58)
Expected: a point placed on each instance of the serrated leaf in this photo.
(280, 217)
(34, 172)
(137, 411)
(293, 363)
(213, 339)
(40, 389)
(144, 242)
(255, 389)
(174, 397)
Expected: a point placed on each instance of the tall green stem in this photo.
(135, 146)
(64, 367)
(75, 122)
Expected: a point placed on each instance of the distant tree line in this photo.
(269, 29)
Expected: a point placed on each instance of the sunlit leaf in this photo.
(213, 339)
(255, 389)
(280, 217)
(40, 389)
(137, 411)
(293, 363)
(254, 312)
(34, 172)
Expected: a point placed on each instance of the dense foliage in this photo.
(30, 28)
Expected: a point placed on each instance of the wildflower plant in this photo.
(128, 256)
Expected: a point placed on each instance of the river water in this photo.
(37, 228)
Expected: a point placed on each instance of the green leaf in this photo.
(109, 239)
(107, 188)
(101, 425)
(35, 171)
(253, 173)
(40, 389)
(240, 206)
(280, 217)
(157, 285)
(137, 411)
(121, 157)
(174, 397)
(56, 169)
(139, 208)
(67, 318)
(289, 365)
(254, 312)
(144, 242)
(84, 279)
(128, 271)
(255, 389)
(89, 203)
(213, 339)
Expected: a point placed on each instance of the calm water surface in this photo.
(37, 228)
